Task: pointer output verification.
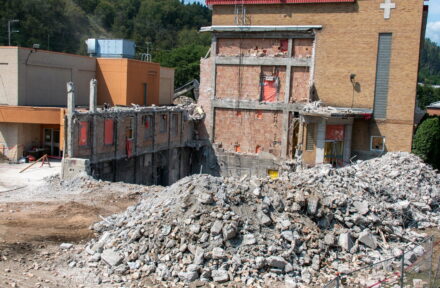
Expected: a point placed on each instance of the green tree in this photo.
(426, 142)
(426, 95)
(430, 63)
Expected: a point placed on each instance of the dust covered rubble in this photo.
(299, 229)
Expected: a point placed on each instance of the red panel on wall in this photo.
(334, 132)
(129, 147)
(232, 2)
(269, 91)
(83, 133)
(108, 132)
(284, 45)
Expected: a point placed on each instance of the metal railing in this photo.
(412, 268)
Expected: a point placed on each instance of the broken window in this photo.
(163, 123)
(174, 124)
(108, 132)
(147, 121)
(130, 130)
(377, 143)
(83, 133)
(310, 141)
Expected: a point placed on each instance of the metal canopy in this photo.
(265, 28)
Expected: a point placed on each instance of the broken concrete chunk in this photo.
(218, 253)
(188, 276)
(368, 239)
(111, 257)
(206, 198)
(249, 239)
(265, 220)
(276, 261)
(220, 275)
(216, 228)
(66, 246)
(312, 205)
(361, 207)
(229, 231)
(345, 241)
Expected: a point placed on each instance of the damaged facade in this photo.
(143, 145)
(318, 82)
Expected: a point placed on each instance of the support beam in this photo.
(320, 141)
(263, 61)
(256, 105)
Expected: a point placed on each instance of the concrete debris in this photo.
(301, 228)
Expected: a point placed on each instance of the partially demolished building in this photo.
(143, 145)
(317, 80)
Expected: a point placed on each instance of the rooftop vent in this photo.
(111, 48)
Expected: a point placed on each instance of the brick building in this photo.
(320, 80)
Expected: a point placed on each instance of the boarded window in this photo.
(382, 75)
(310, 141)
(269, 89)
(83, 133)
(377, 143)
(334, 132)
(108, 132)
(163, 123)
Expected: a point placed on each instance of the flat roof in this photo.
(259, 28)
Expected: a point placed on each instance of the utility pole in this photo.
(11, 31)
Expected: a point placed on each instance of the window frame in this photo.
(371, 144)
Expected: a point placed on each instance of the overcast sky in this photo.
(433, 29)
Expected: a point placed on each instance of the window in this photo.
(382, 75)
(377, 143)
(310, 141)
(163, 123)
(147, 121)
(174, 124)
(259, 115)
(108, 132)
(83, 133)
(129, 130)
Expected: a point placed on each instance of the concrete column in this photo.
(347, 143)
(285, 132)
(320, 141)
(70, 112)
(213, 83)
(93, 95)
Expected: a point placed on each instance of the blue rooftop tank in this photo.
(111, 48)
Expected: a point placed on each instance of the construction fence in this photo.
(413, 268)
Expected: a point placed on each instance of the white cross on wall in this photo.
(387, 6)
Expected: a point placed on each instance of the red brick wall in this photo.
(242, 127)
(302, 48)
(300, 84)
(228, 84)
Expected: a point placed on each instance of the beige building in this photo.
(33, 95)
(271, 58)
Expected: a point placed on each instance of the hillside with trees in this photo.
(168, 28)
(430, 63)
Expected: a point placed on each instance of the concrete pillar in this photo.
(211, 130)
(320, 142)
(347, 143)
(93, 95)
(70, 111)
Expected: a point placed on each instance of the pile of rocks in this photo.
(299, 229)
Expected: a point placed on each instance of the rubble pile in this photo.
(299, 229)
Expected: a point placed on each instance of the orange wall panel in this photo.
(139, 73)
(112, 81)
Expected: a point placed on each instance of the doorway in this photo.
(52, 141)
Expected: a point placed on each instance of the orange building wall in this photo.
(121, 81)
(138, 73)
